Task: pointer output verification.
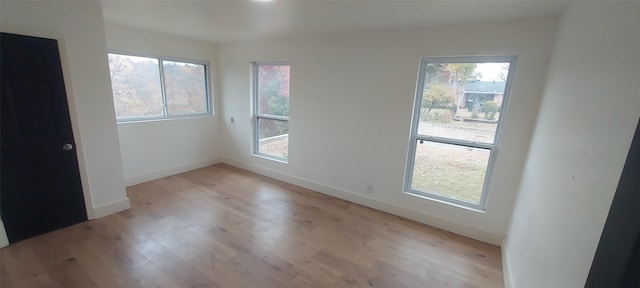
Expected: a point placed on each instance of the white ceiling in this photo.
(237, 20)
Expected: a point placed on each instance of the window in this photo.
(271, 109)
(153, 88)
(459, 106)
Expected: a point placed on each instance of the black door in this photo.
(617, 259)
(40, 180)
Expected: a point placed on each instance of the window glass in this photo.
(458, 108)
(152, 88)
(273, 90)
(274, 137)
(271, 109)
(463, 100)
(135, 82)
(451, 171)
(186, 87)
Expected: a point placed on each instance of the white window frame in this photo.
(165, 114)
(493, 148)
(257, 115)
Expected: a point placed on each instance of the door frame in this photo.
(73, 113)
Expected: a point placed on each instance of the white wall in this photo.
(81, 30)
(351, 105)
(155, 149)
(585, 126)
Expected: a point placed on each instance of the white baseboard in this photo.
(506, 271)
(146, 177)
(113, 207)
(440, 223)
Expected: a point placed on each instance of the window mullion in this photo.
(163, 90)
(452, 141)
(273, 117)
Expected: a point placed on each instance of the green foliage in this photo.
(461, 71)
(474, 114)
(437, 115)
(489, 109)
(271, 128)
(438, 96)
(273, 99)
(433, 71)
(279, 105)
(270, 98)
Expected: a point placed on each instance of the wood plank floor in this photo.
(220, 226)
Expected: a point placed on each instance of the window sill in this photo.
(272, 158)
(447, 201)
(160, 119)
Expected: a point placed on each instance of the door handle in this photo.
(67, 147)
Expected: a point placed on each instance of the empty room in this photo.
(295, 143)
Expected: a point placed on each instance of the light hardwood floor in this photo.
(220, 226)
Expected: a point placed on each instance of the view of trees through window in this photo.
(135, 82)
(463, 100)
(185, 88)
(137, 87)
(272, 109)
(459, 109)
